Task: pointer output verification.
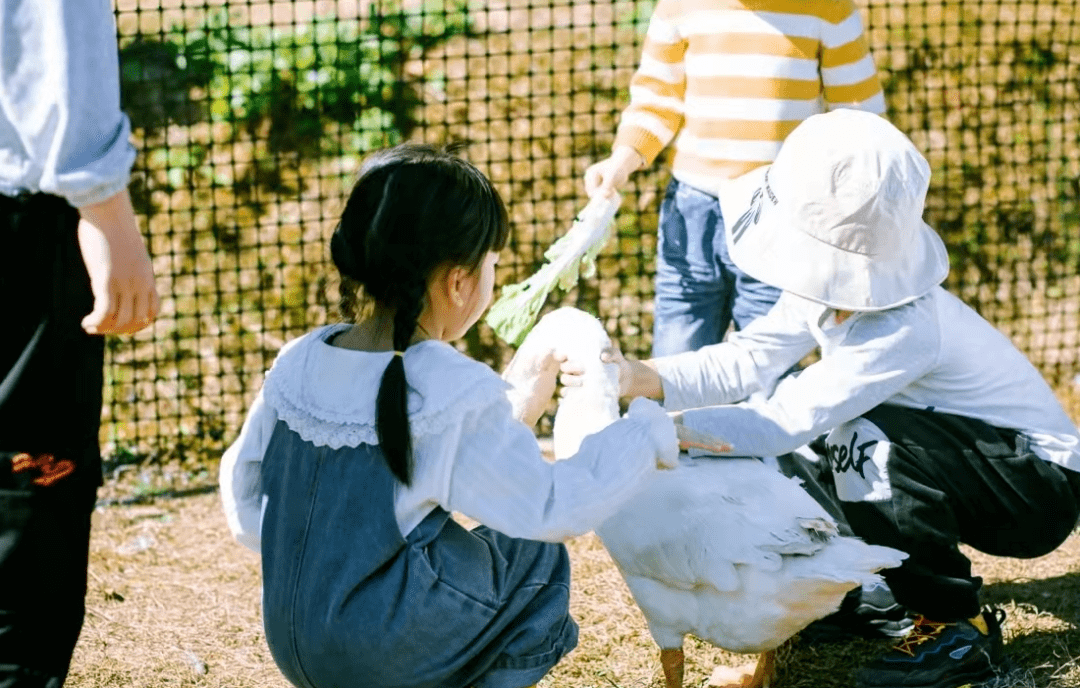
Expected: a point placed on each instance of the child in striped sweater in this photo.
(723, 82)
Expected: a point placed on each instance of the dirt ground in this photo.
(174, 601)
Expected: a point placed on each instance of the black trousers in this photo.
(50, 415)
(939, 480)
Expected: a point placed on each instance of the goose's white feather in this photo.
(728, 550)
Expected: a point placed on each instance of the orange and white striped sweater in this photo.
(725, 81)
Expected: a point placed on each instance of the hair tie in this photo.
(400, 353)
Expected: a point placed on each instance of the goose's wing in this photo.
(695, 524)
(735, 553)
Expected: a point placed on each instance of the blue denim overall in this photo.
(348, 602)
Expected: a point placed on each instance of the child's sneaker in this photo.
(881, 613)
(869, 612)
(941, 655)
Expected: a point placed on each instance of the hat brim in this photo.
(773, 251)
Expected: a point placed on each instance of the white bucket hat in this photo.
(837, 217)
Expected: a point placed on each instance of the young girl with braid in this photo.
(366, 436)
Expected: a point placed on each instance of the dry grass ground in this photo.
(174, 601)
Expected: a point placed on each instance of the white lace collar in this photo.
(326, 394)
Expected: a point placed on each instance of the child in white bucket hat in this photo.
(931, 428)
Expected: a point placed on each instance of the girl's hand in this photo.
(662, 431)
(533, 375)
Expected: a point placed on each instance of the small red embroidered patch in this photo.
(49, 468)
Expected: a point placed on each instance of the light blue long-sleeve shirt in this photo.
(61, 128)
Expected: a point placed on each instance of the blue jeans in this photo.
(699, 291)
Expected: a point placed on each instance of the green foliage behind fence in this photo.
(251, 118)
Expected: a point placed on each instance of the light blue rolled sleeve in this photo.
(61, 128)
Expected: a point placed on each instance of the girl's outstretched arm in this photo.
(500, 478)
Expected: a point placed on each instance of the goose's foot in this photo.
(673, 661)
(759, 675)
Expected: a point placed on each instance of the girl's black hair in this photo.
(413, 208)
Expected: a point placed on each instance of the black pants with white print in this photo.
(924, 482)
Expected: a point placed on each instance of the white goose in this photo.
(729, 550)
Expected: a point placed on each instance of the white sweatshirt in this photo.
(934, 353)
(471, 455)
